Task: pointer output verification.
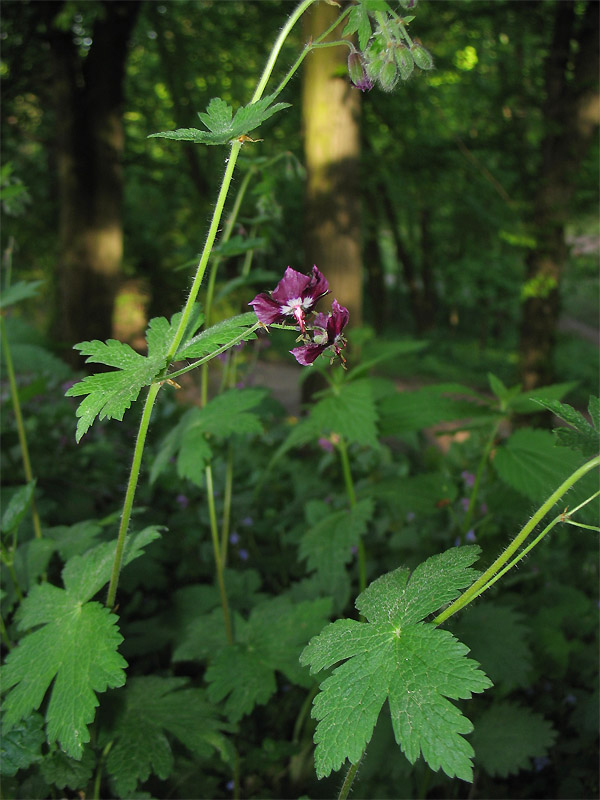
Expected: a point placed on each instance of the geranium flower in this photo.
(327, 333)
(294, 295)
(357, 72)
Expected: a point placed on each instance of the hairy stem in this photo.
(130, 493)
(349, 779)
(485, 580)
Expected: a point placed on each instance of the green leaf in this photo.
(222, 129)
(230, 331)
(396, 657)
(269, 641)
(110, 394)
(358, 20)
(17, 507)
(351, 413)
(405, 412)
(499, 641)
(22, 745)
(527, 403)
(152, 708)
(22, 290)
(327, 547)
(585, 438)
(531, 463)
(418, 494)
(75, 649)
(62, 770)
(507, 736)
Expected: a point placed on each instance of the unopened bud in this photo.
(388, 77)
(408, 3)
(374, 65)
(356, 70)
(423, 58)
(405, 62)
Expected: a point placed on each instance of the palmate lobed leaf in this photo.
(222, 126)
(154, 707)
(75, 649)
(398, 657)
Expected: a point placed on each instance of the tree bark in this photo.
(88, 95)
(330, 112)
(570, 115)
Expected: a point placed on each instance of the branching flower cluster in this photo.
(295, 296)
(387, 54)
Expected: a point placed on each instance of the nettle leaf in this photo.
(154, 708)
(22, 745)
(499, 641)
(507, 736)
(269, 641)
(222, 126)
(397, 657)
(351, 413)
(531, 463)
(527, 403)
(327, 547)
(585, 438)
(75, 649)
(110, 394)
(229, 332)
(225, 415)
(405, 412)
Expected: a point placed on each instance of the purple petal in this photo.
(318, 286)
(306, 354)
(291, 286)
(337, 321)
(266, 309)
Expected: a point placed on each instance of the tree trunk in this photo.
(570, 116)
(330, 112)
(88, 96)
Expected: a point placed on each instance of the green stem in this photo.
(217, 552)
(98, 778)
(16, 404)
(130, 493)
(349, 779)
(227, 496)
(480, 468)
(485, 580)
(362, 568)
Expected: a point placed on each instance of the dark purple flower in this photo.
(182, 500)
(470, 536)
(294, 295)
(357, 72)
(327, 333)
(468, 478)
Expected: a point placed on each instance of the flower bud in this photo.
(374, 65)
(423, 58)
(388, 77)
(356, 70)
(408, 3)
(405, 62)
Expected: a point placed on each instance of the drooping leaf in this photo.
(74, 648)
(110, 394)
(222, 126)
(395, 656)
(507, 736)
(153, 709)
(581, 436)
(358, 20)
(17, 507)
(269, 641)
(527, 402)
(22, 290)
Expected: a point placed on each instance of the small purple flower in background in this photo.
(464, 501)
(470, 536)
(540, 763)
(325, 444)
(410, 516)
(468, 478)
(327, 333)
(483, 508)
(294, 295)
(230, 786)
(248, 522)
(234, 538)
(357, 72)
(182, 500)
(244, 554)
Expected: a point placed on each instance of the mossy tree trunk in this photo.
(330, 113)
